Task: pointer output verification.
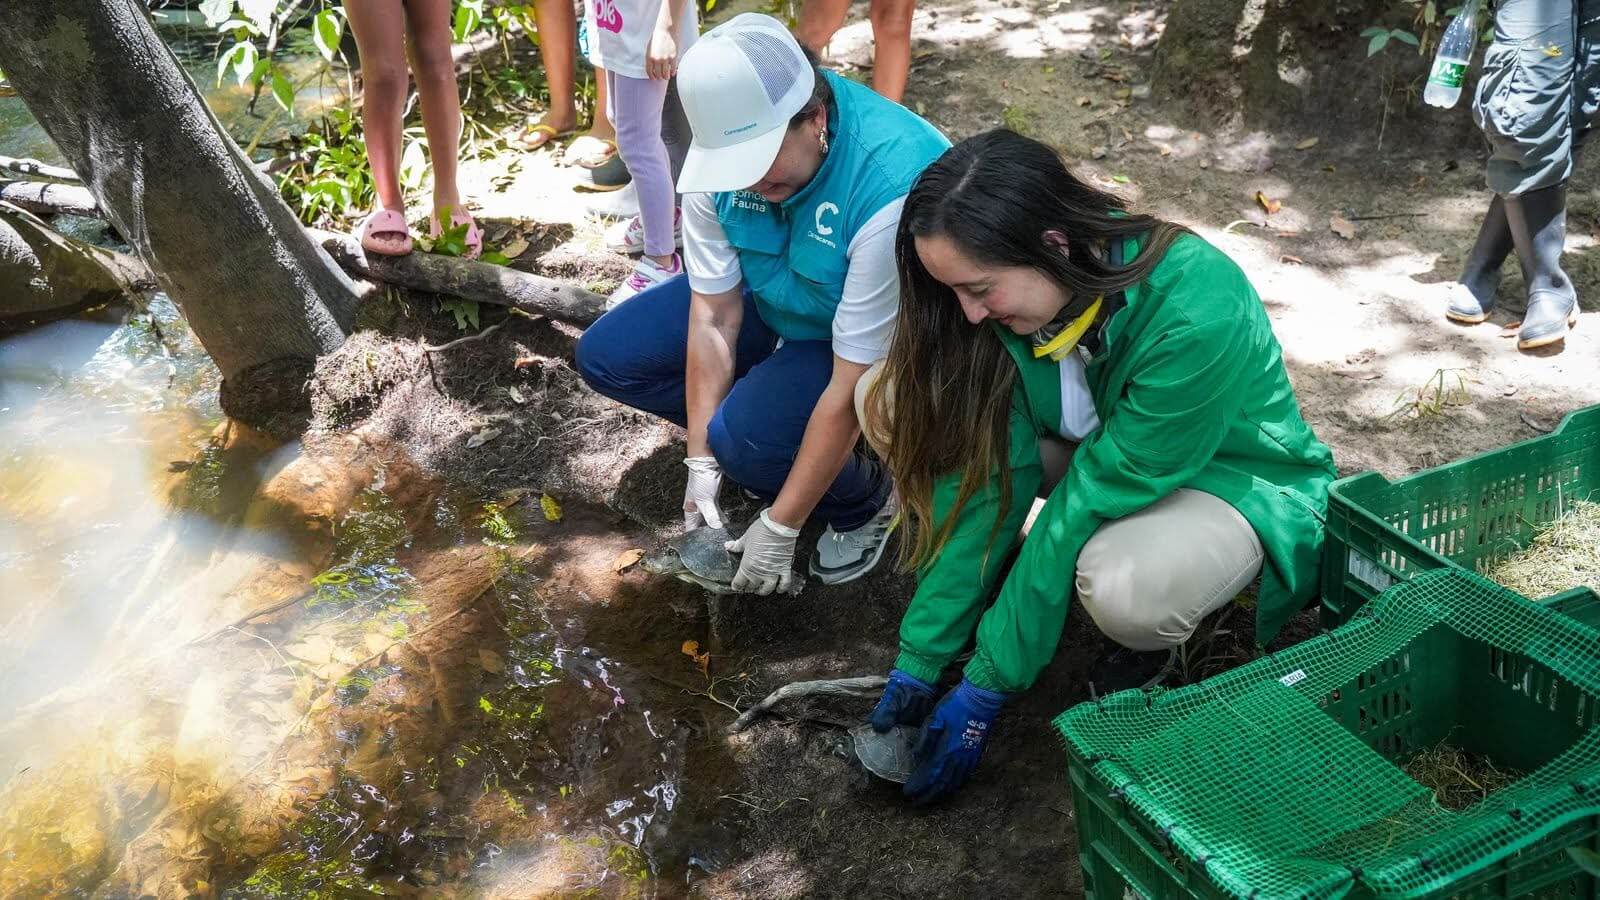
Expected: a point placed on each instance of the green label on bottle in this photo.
(1447, 73)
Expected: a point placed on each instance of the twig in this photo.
(429, 348)
(1376, 217)
(38, 171)
(237, 624)
(691, 691)
(864, 686)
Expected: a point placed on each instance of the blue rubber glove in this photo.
(953, 742)
(906, 701)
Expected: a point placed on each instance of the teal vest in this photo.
(792, 254)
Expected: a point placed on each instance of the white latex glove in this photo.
(700, 496)
(768, 561)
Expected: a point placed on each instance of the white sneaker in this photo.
(618, 204)
(646, 274)
(628, 236)
(846, 556)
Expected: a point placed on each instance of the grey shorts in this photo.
(1539, 93)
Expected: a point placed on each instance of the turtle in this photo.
(699, 556)
(890, 755)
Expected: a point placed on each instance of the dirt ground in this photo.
(783, 810)
(594, 760)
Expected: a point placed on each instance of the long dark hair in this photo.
(943, 402)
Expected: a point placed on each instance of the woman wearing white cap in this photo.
(793, 187)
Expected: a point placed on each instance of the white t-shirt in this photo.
(618, 33)
(1078, 418)
(864, 322)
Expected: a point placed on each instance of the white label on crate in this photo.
(1370, 573)
(1293, 678)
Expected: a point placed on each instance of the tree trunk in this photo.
(1195, 57)
(261, 297)
(48, 276)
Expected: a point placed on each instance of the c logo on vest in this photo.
(823, 209)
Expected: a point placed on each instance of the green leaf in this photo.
(244, 71)
(1120, 179)
(228, 61)
(216, 11)
(283, 92)
(1374, 30)
(496, 258)
(259, 71)
(469, 15)
(1405, 37)
(326, 30)
(1379, 41)
(1587, 860)
(1430, 12)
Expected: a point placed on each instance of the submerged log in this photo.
(48, 276)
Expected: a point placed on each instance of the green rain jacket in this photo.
(1191, 391)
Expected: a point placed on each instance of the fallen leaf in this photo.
(1509, 392)
(482, 437)
(1123, 93)
(1083, 100)
(1267, 203)
(626, 560)
(691, 649)
(517, 247)
(523, 362)
(1098, 152)
(316, 649)
(1120, 179)
(1511, 331)
(1165, 150)
(515, 395)
(1306, 144)
(1358, 374)
(491, 661)
(552, 509)
(1205, 163)
(1293, 260)
(921, 110)
(1330, 168)
(376, 643)
(512, 496)
(1342, 227)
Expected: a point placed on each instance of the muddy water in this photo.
(451, 700)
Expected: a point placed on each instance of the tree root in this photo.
(863, 686)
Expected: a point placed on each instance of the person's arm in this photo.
(952, 588)
(1164, 429)
(713, 334)
(661, 54)
(863, 325)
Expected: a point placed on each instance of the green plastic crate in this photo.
(1175, 792)
(1471, 513)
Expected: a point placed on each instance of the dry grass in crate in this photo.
(1457, 778)
(1562, 555)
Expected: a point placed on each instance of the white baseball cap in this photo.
(740, 84)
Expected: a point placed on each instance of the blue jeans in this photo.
(636, 355)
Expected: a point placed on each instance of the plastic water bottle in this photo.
(1450, 64)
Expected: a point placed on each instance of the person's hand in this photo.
(906, 701)
(700, 496)
(768, 561)
(661, 56)
(953, 742)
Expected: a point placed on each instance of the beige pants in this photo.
(1147, 579)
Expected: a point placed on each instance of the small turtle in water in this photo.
(700, 557)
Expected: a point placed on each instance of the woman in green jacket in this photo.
(1050, 343)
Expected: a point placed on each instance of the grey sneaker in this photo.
(847, 555)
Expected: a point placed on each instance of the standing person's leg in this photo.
(756, 433)
(1472, 296)
(558, 48)
(891, 46)
(434, 65)
(635, 354)
(638, 104)
(1148, 579)
(380, 31)
(819, 19)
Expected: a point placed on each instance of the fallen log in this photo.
(38, 171)
(468, 279)
(49, 276)
(46, 199)
(452, 276)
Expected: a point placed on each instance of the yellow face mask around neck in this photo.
(1060, 345)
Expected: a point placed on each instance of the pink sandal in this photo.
(382, 222)
(458, 216)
